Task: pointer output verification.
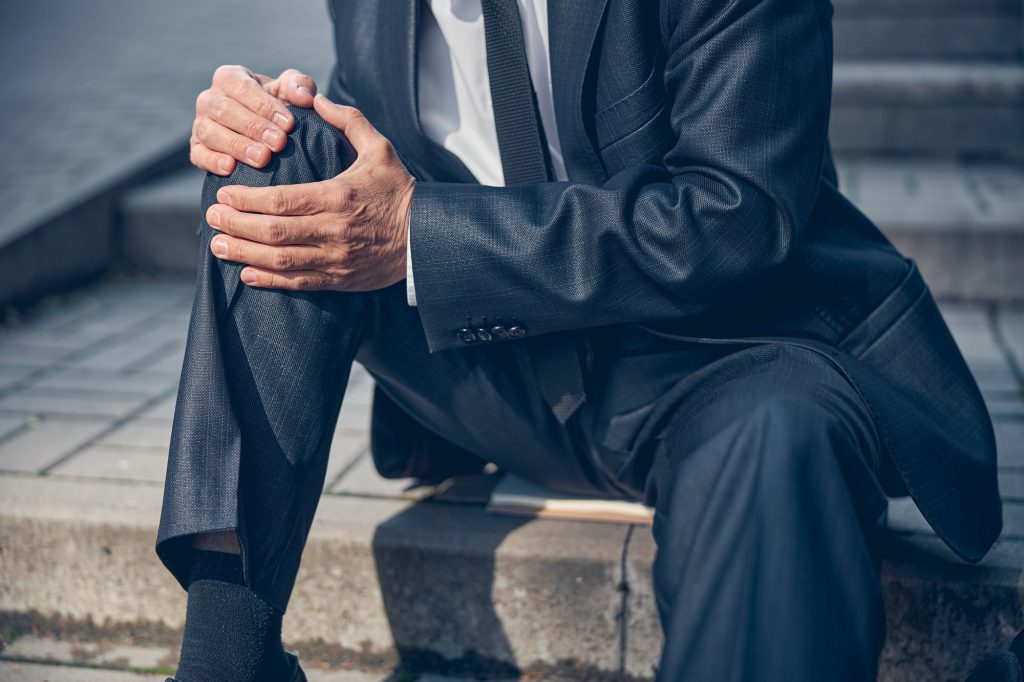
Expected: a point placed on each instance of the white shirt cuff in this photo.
(410, 287)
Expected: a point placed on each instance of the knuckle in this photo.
(218, 107)
(203, 99)
(203, 128)
(238, 147)
(282, 260)
(274, 233)
(224, 71)
(254, 129)
(346, 197)
(382, 148)
(263, 103)
(342, 259)
(278, 203)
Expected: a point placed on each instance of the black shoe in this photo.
(297, 674)
(1002, 666)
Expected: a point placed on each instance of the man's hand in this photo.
(243, 117)
(347, 233)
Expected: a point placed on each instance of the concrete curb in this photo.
(438, 580)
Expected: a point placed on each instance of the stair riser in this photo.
(992, 37)
(937, 625)
(989, 131)
(163, 239)
(896, 9)
(964, 265)
(359, 594)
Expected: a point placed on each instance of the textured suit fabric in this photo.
(702, 204)
(762, 472)
(525, 159)
(768, 516)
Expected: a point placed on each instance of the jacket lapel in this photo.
(572, 29)
(397, 53)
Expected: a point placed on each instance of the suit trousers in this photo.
(761, 460)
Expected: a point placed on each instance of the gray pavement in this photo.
(96, 91)
(88, 381)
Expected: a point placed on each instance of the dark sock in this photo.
(231, 635)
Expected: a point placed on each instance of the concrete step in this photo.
(935, 109)
(382, 575)
(922, 29)
(963, 223)
(29, 657)
(157, 222)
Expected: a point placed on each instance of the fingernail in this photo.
(272, 137)
(223, 197)
(282, 120)
(248, 277)
(253, 152)
(220, 246)
(303, 89)
(213, 217)
(224, 165)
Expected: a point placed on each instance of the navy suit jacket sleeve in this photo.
(748, 85)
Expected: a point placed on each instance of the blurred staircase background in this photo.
(928, 125)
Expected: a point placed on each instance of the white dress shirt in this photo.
(454, 94)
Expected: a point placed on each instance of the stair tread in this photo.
(928, 82)
(936, 195)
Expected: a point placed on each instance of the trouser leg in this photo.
(262, 383)
(768, 510)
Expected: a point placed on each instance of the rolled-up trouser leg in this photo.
(262, 383)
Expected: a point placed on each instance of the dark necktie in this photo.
(525, 158)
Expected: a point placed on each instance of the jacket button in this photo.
(467, 336)
(516, 332)
(483, 334)
(499, 332)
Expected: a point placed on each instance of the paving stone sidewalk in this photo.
(88, 384)
(96, 91)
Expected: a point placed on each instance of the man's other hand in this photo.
(242, 117)
(347, 233)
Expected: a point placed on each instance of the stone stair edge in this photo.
(926, 7)
(927, 82)
(403, 561)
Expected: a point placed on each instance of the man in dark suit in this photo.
(660, 294)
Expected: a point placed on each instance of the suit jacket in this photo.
(702, 204)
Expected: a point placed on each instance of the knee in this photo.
(315, 151)
(314, 147)
(806, 442)
(790, 431)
